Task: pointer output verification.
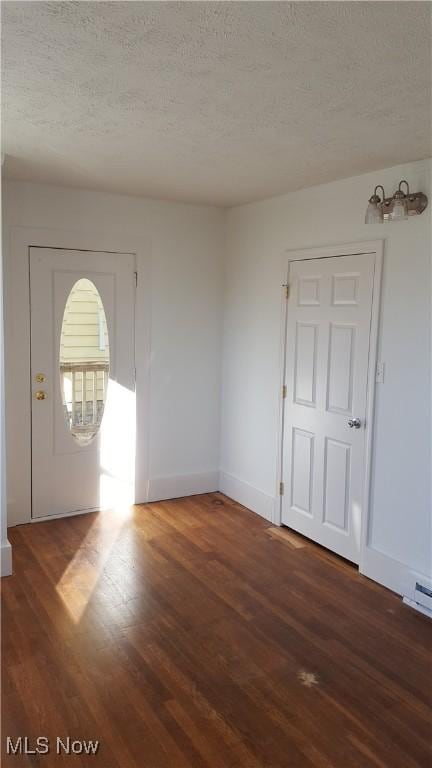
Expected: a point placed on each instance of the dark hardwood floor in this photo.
(192, 634)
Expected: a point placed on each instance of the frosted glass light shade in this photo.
(400, 209)
(374, 214)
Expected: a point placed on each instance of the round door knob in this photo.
(356, 423)
(40, 395)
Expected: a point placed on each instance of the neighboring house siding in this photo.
(84, 337)
(84, 314)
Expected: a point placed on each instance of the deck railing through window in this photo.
(84, 387)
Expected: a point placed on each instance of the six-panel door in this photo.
(328, 331)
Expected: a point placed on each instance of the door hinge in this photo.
(284, 391)
(281, 489)
(286, 291)
(136, 278)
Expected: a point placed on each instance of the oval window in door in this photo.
(84, 361)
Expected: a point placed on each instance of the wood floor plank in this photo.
(193, 634)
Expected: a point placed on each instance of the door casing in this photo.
(375, 247)
(21, 239)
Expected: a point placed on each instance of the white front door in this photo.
(328, 332)
(82, 379)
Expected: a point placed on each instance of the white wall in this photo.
(258, 236)
(184, 244)
(5, 548)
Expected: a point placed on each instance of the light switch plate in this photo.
(380, 369)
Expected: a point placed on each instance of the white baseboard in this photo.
(6, 559)
(174, 487)
(375, 565)
(247, 495)
(391, 573)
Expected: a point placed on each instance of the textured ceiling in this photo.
(214, 102)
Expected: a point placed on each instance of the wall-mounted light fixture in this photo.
(395, 208)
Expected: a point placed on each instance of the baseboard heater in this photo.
(422, 599)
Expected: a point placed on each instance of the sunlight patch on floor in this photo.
(82, 574)
(116, 495)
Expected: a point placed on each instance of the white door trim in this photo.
(18, 379)
(344, 249)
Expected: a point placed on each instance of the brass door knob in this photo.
(40, 394)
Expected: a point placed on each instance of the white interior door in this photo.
(328, 334)
(83, 379)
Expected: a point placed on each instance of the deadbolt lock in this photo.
(40, 394)
(40, 377)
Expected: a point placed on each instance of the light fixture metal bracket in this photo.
(417, 203)
(401, 205)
